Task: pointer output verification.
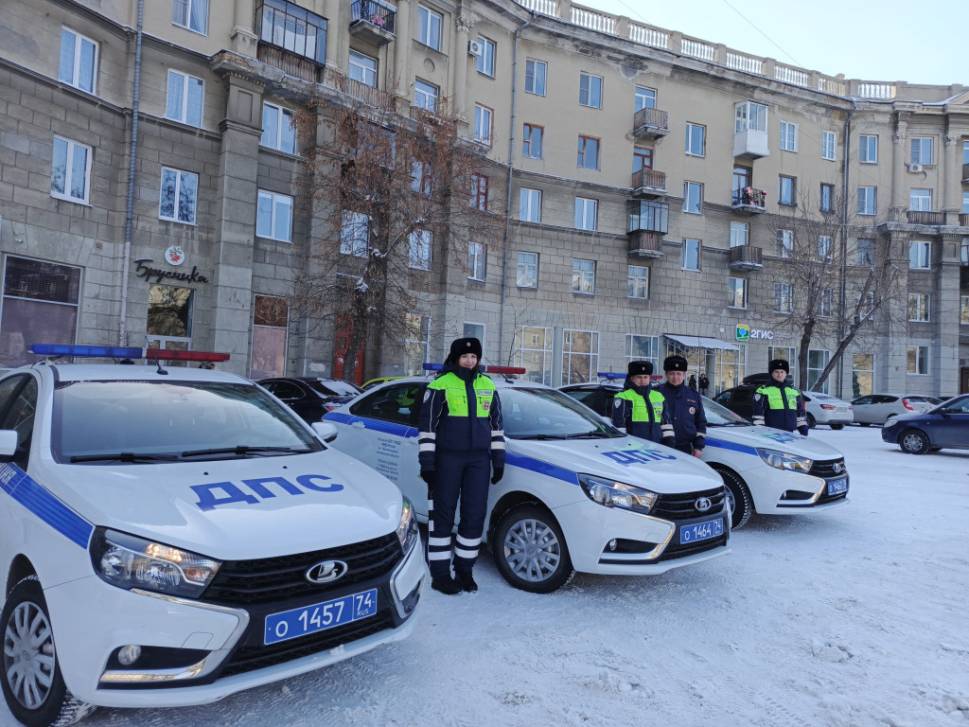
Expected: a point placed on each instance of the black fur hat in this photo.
(639, 368)
(779, 363)
(675, 363)
(461, 346)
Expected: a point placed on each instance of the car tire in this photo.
(913, 441)
(740, 504)
(531, 525)
(44, 706)
(812, 422)
(837, 427)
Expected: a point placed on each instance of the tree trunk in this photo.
(802, 355)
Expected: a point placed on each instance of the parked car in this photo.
(877, 408)
(310, 397)
(821, 408)
(370, 383)
(945, 426)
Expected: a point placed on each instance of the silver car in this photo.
(878, 408)
(826, 409)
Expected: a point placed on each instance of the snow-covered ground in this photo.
(854, 616)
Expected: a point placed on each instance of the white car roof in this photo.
(132, 372)
(501, 382)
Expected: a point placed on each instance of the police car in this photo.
(577, 494)
(766, 471)
(170, 536)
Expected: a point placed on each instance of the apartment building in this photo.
(647, 176)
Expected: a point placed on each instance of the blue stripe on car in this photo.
(19, 485)
(542, 467)
(377, 425)
(724, 444)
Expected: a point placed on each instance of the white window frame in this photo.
(568, 353)
(921, 361)
(546, 351)
(466, 333)
(868, 200)
(686, 254)
(482, 60)
(868, 148)
(733, 280)
(826, 358)
(178, 188)
(918, 307)
(535, 64)
(688, 188)
(646, 95)
(788, 136)
(364, 70)
(588, 102)
(922, 150)
(283, 116)
(780, 297)
(425, 19)
(583, 207)
(920, 199)
(829, 146)
(187, 23)
(429, 94)
(75, 79)
(748, 117)
(637, 276)
(855, 370)
(825, 247)
(482, 131)
(477, 258)
(826, 302)
(781, 178)
(920, 261)
(69, 171)
(354, 233)
(186, 80)
(419, 243)
(529, 203)
(528, 136)
(964, 310)
(582, 164)
(583, 273)
(830, 207)
(738, 238)
(275, 198)
(701, 129)
(869, 247)
(785, 243)
(633, 354)
(527, 266)
(965, 203)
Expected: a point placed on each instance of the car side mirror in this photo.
(325, 431)
(8, 444)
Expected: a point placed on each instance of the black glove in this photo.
(429, 476)
(498, 473)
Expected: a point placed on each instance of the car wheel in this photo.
(913, 441)
(836, 427)
(31, 677)
(740, 504)
(530, 550)
(812, 422)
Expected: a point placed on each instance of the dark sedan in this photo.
(943, 427)
(310, 397)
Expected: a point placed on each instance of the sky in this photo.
(890, 40)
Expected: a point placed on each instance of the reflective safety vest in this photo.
(456, 394)
(640, 409)
(775, 399)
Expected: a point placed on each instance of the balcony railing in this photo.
(651, 123)
(746, 257)
(292, 64)
(750, 200)
(649, 182)
(963, 220)
(921, 217)
(643, 243)
(357, 89)
(374, 19)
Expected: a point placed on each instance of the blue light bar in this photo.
(611, 375)
(433, 367)
(70, 349)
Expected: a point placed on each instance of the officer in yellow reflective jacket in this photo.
(779, 405)
(640, 410)
(461, 447)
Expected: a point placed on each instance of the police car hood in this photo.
(623, 459)
(744, 438)
(240, 508)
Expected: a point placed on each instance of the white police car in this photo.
(171, 536)
(577, 495)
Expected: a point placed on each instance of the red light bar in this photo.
(504, 369)
(161, 354)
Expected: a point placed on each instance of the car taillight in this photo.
(907, 405)
(828, 407)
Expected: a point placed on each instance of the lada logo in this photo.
(838, 468)
(327, 571)
(702, 504)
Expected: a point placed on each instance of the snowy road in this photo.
(856, 616)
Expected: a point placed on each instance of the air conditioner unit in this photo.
(475, 48)
(915, 167)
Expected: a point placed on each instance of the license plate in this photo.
(701, 531)
(838, 486)
(306, 620)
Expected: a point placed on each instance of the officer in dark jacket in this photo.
(778, 405)
(685, 407)
(461, 447)
(640, 410)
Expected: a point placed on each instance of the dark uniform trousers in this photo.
(461, 477)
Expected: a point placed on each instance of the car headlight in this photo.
(785, 460)
(618, 494)
(127, 561)
(407, 528)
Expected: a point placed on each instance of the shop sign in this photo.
(745, 333)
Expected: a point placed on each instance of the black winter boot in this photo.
(467, 582)
(446, 585)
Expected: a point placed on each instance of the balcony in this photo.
(292, 64)
(372, 21)
(746, 257)
(643, 243)
(749, 200)
(648, 222)
(750, 144)
(963, 220)
(921, 217)
(649, 183)
(651, 124)
(291, 39)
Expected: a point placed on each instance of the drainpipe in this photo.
(129, 217)
(508, 197)
(843, 272)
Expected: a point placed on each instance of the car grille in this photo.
(826, 468)
(675, 550)
(248, 582)
(683, 507)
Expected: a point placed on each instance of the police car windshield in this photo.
(142, 422)
(549, 414)
(720, 416)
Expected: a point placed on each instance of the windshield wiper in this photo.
(241, 450)
(730, 424)
(123, 457)
(538, 436)
(589, 435)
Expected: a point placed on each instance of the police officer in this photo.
(685, 408)
(640, 410)
(778, 405)
(461, 446)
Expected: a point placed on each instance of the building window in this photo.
(590, 90)
(421, 177)
(867, 200)
(829, 141)
(920, 200)
(485, 63)
(170, 316)
(40, 304)
(964, 310)
(526, 275)
(583, 276)
(580, 356)
(862, 374)
(739, 234)
(530, 205)
(278, 128)
(691, 254)
(783, 297)
(536, 73)
(825, 245)
(354, 234)
(482, 124)
(535, 353)
(865, 252)
(417, 342)
(696, 139)
(827, 197)
(788, 191)
(816, 363)
(425, 95)
(785, 243)
(586, 213)
(363, 69)
(868, 148)
(642, 158)
(918, 307)
(184, 102)
(965, 151)
(964, 251)
(637, 282)
(788, 136)
(477, 261)
(270, 321)
(429, 30)
(922, 150)
(642, 348)
(588, 157)
(918, 360)
(274, 216)
(70, 170)
(785, 353)
(693, 198)
(191, 14)
(179, 196)
(78, 64)
(479, 192)
(532, 141)
(919, 255)
(826, 302)
(965, 203)
(645, 98)
(750, 116)
(738, 292)
(420, 249)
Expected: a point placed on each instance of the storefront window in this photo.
(416, 344)
(270, 317)
(170, 311)
(580, 356)
(862, 374)
(535, 353)
(643, 348)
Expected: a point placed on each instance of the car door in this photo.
(884, 406)
(952, 429)
(862, 406)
